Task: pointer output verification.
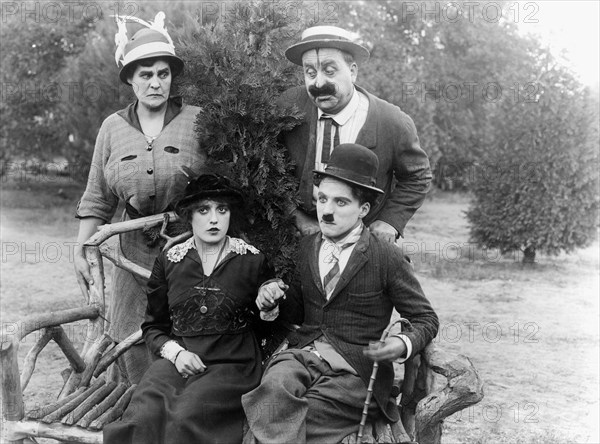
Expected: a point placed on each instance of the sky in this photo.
(569, 25)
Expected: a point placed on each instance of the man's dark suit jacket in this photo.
(390, 133)
(376, 280)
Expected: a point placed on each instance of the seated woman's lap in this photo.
(174, 406)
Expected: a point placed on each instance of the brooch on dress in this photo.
(178, 252)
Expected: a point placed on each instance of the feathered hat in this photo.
(148, 42)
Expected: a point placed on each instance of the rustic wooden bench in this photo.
(91, 395)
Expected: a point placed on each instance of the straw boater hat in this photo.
(327, 37)
(353, 164)
(148, 42)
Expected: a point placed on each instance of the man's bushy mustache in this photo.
(327, 217)
(326, 90)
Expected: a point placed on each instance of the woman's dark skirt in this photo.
(205, 408)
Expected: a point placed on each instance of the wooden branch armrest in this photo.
(171, 240)
(112, 251)
(109, 230)
(463, 388)
(29, 324)
(445, 363)
(463, 381)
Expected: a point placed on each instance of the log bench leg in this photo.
(13, 408)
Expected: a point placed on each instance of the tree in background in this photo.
(447, 65)
(235, 70)
(34, 52)
(399, 45)
(96, 92)
(490, 104)
(536, 189)
(471, 67)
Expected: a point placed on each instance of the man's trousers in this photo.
(302, 400)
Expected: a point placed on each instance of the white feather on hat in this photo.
(120, 39)
(158, 24)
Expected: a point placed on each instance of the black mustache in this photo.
(328, 89)
(327, 218)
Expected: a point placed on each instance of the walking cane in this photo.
(363, 420)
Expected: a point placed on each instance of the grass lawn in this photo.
(531, 331)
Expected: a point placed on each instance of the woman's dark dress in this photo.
(212, 317)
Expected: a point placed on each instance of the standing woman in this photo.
(200, 320)
(137, 159)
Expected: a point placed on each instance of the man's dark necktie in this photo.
(333, 276)
(327, 147)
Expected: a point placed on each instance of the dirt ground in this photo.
(531, 331)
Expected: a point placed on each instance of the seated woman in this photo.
(199, 319)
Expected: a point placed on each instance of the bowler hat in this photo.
(326, 37)
(208, 186)
(354, 164)
(145, 44)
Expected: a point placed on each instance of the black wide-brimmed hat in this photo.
(327, 37)
(208, 186)
(354, 164)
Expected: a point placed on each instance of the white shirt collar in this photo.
(353, 236)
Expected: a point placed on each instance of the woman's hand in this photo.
(82, 273)
(269, 295)
(87, 227)
(189, 364)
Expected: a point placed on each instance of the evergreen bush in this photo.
(235, 71)
(538, 191)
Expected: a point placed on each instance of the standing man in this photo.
(346, 285)
(337, 111)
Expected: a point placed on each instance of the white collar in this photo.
(352, 237)
(178, 252)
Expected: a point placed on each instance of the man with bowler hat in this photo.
(338, 111)
(346, 285)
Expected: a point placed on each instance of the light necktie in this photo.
(327, 146)
(333, 276)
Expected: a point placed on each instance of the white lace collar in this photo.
(178, 252)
